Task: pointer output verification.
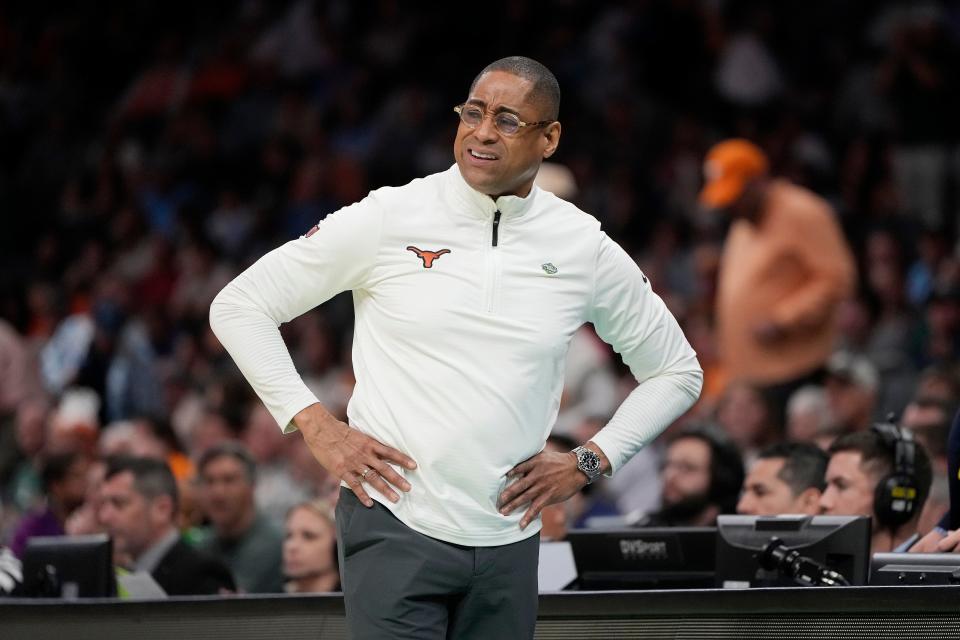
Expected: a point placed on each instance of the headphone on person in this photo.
(895, 496)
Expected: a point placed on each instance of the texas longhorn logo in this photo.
(427, 256)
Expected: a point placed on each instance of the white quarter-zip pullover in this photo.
(464, 306)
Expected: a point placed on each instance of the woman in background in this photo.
(310, 549)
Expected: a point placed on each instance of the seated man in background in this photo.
(786, 478)
(702, 475)
(928, 417)
(881, 473)
(138, 508)
(242, 536)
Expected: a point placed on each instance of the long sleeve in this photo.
(285, 283)
(634, 320)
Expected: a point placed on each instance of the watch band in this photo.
(588, 461)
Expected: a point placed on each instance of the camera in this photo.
(777, 556)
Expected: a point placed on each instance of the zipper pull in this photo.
(496, 225)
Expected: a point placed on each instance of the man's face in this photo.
(227, 492)
(491, 162)
(132, 520)
(686, 471)
(849, 403)
(849, 488)
(765, 494)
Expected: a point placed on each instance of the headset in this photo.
(895, 497)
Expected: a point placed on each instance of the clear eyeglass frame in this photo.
(506, 123)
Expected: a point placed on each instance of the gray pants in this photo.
(398, 583)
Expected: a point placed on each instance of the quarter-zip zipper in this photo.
(493, 265)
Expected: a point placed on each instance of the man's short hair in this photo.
(546, 89)
(878, 459)
(230, 449)
(152, 478)
(804, 465)
(726, 465)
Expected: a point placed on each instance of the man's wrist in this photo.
(588, 462)
(313, 418)
(604, 461)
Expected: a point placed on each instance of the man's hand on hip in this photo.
(544, 479)
(352, 456)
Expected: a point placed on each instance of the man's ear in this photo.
(809, 500)
(162, 507)
(552, 134)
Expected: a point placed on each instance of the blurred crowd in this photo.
(151, 153)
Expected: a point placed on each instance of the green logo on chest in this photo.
(548, 268)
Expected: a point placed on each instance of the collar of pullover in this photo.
(480, 205)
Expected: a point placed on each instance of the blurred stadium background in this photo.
(150, 151)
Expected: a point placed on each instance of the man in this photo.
(138, 509)
(928, 417)
(243, 537)
(786, 478)
(858, 463)
(467, 287)
(702, 475)
(785, 268)
(851, 385)
(808, 415)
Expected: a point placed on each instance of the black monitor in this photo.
(69, 567)
(645, 558)
(915, 568)
(792, 550)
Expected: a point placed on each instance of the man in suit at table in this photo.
(139, 505)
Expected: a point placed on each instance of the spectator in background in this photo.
(945, 536)
(64, 479)
(941, 327)
(138, 509)
(701, 476)
(858, 463)
(84, 520)
(24, 490)
(929, 420)
(276, 491)
(785, 269)
(241, 536)
(893, 324)
(808, 415)
(940, 382)
(310, 563)
(130, 438)
(851, 385)
(786, 478)
(745, 415)
(18, 379)
(73, 425)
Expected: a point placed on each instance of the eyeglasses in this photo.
(506, 123)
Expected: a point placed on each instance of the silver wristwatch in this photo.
(588, 462)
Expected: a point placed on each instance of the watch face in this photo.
(589, 461)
